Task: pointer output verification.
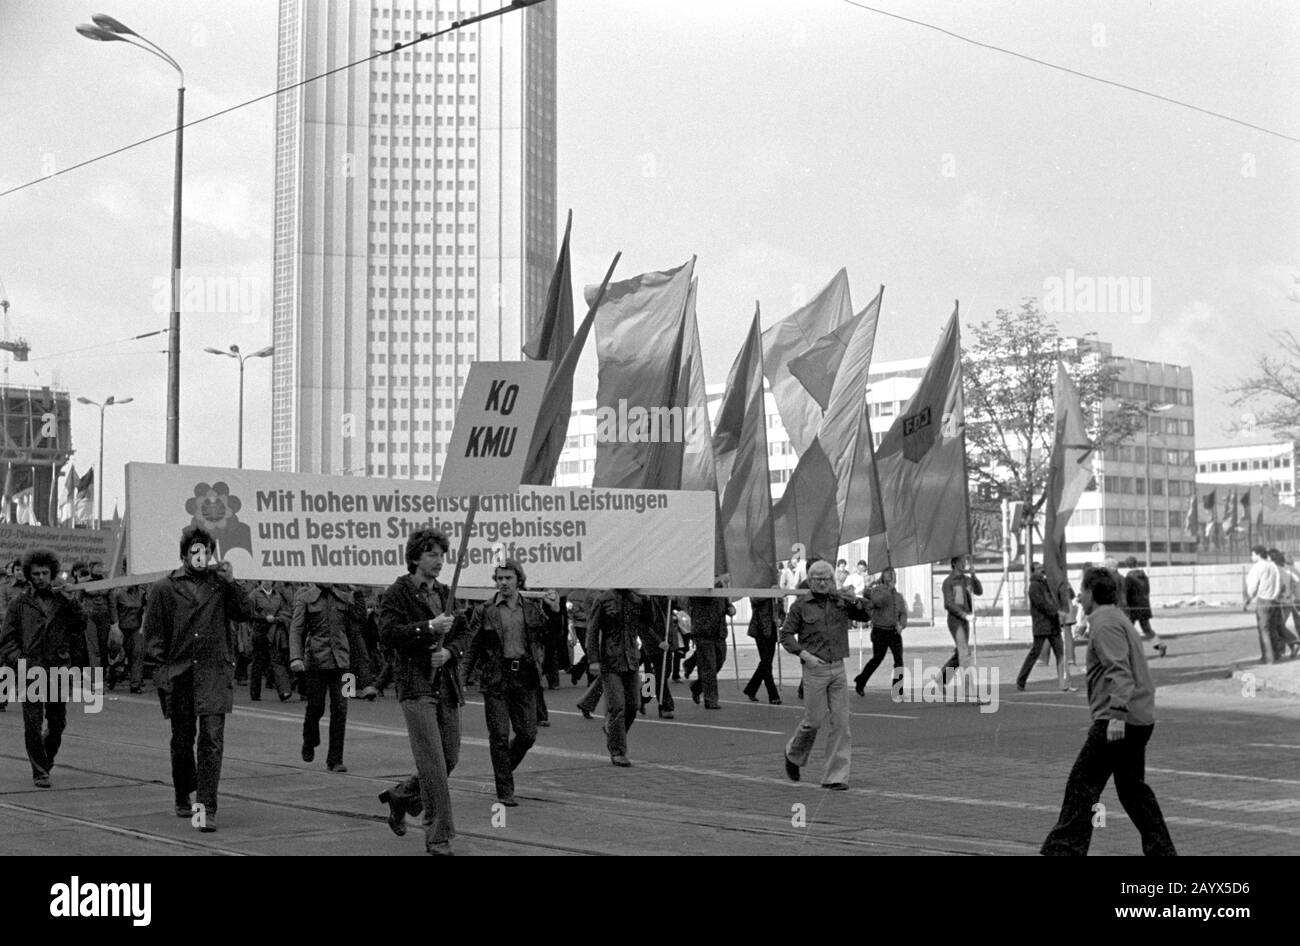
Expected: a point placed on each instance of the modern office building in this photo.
(415, 222)
(1252, 465)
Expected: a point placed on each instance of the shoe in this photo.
(751, 697)
(696, 688)
(251, 699)
(396, 816)
(1069, 688)
(284, 697)
(543, 722)
(209, 823)
(1020, 686)
(859, 690)
(836, 786)
(137, 689)
(442, 850)
(1162, 648)
(712, 706)
(621, 761)
(775, 701)
(308, 753)
(41, 781)
(586, 713)
(791, 770)
(508, 801)
(336, 767)
(183, 807)
(369, 693)
(665, 714)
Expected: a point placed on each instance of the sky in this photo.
(776, 142)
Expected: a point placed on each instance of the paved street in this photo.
(927, 779)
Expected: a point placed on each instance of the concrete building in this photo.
(415, 222)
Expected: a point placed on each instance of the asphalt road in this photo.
(927, 778)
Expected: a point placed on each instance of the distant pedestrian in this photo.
(708, 617)
(766, 616)
(1137, 596)
(126, 608)
(888, 619)
(326, 645)
(1287, 638)
(617, 622)
(1121, 697)
(1264, 588)
(1046, 620)
(960, 589)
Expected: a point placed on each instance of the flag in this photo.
(815, 507)
(1230, 513)
(117, 518)
(7, 500)
(24, 501)
(82, 504)
(68, 502)
(640, 335)
(740, 449)
(552, 336)
(698, 469)
(816, 368)
(1068, 474)
(1213, 531)
(1192, 524)
(922, 468)
(792, 337)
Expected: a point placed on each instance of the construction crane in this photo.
(20, 349)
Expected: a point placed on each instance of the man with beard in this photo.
(417, 621)
(189, 633)
(45, 629)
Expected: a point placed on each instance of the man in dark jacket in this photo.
(709, 631)
(1137, 597)
(45, 629)
(189, 633)
(272, 612)
(1046, 618)
(615, 621)
(960, 589)
(324, 636)
(508, 638)
(766, 615)
(126, 612)
(417, 621)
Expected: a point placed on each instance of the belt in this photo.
(881, 627)
(514, 664)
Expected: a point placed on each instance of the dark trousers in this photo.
(621, 695)
(512, 703)
(41, 750)
(263, 669)
(710, 655)
(318, 682)
(1037, 648)
(652, 662)
(1098, 760)
(763, 672)
(433, 726)
(592, 696)
(133, 643)
(199, 773)
(884, 640)
(543, 714)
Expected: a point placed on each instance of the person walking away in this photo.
(1137, 597)
(765, 617)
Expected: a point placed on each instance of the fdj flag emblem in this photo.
(918, 435)
(494, 425)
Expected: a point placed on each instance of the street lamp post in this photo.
(1153, 409)
(99, 473)
(236, 354)
(106, 29)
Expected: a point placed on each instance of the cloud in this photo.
(118, 198)
(228, 207)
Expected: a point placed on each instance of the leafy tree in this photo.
(1009, 367)
(1273, 391)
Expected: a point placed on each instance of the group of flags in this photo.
(1227, 521)
(70, 505)
(909, 495)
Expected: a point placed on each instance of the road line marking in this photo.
(129, 832)
(1269, 745)
(1237, 778)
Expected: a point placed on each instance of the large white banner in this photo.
(302, 527)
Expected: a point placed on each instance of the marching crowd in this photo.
(202, 631)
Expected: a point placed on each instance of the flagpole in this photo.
(965, 477)
(878, 502)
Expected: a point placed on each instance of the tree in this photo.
(1009, 369)
(1273, 392)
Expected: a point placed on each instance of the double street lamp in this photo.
(106, 29)
(99, 473)
(234, 352)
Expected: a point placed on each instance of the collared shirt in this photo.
(1264, 581)
(820, 625)
(1119, 683)
(510, 611)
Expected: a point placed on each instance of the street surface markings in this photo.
(1269, 745)
(1239, 778)
(1250, 805)
(799, 707)
(127, 832)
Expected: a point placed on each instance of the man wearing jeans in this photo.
(959, 591)
(615, 620)
(1264, 587)
(817, 632)
(416, 621)
(1122, 699)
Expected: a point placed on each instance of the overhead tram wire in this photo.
(1073, 72)
(396, 47)
(96, 347)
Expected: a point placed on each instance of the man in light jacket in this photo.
(1122, 699)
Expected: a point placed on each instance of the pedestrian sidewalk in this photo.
(1281, 677)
